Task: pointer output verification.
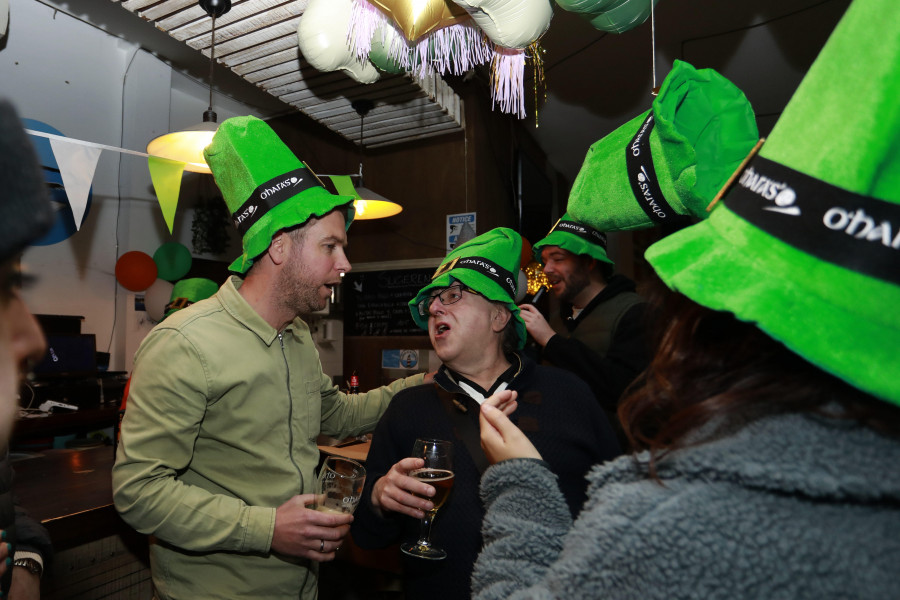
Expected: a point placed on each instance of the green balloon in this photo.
(588, 6)
(623, 17)
(378, 56)
(173, 261)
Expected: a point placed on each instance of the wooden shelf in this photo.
(79, 421)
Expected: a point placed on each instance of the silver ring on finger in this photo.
(322, 547)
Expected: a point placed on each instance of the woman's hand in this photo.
(500, 439)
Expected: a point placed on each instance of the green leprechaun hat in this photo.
(575, 237)
(666, 165)
(806, 244)
(489, 265)
(266, 187)
(187, 291)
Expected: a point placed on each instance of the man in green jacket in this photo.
(228, 396)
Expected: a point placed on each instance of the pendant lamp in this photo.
(187, 144)
(370, 205)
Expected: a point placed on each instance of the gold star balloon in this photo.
(416, 18)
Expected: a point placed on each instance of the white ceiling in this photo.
(257, 40)
(594, 81)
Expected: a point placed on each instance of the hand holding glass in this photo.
(437, 472)
(340, 485)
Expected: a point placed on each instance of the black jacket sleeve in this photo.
(32, 537)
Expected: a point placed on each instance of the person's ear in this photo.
(500, 318)
(279, 248)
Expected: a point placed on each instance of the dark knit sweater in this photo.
(557, 412)
(606, 345)
(23, 533)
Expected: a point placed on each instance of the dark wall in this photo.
(473, 170)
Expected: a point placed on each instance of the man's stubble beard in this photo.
(575, 283)
(296, 290)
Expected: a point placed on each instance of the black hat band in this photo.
(585, 232)
(486, 267)
(642, 176)
(269, 195)
(850, 230)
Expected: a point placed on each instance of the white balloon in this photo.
(522, 287)
(322, 38)
(510, 23)
(156, 297)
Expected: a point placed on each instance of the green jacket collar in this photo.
(241, 310)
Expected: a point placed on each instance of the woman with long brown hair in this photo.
(766, 429)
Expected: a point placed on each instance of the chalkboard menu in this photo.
(375, 302)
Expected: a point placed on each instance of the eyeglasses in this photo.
(449, 295)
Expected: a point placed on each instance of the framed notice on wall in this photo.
(464, 224)
(375, 302)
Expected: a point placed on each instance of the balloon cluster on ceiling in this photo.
(365, 38)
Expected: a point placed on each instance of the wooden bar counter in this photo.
(96, 554)
(70, 492)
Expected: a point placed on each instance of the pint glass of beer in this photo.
(340, 485)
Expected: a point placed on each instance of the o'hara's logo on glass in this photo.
(779, 192)
(281, 185)
(862, 227)
(245, 214)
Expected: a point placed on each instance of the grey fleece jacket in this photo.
(789, 506)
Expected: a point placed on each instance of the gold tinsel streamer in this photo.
(536, 277)
(535, 53)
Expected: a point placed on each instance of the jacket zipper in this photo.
(290, 414)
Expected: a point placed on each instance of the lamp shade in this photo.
(368, 204)
(371, 205)
(185, 146)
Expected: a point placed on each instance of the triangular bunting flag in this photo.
(166, 177)
(77, 164)
(344, 185)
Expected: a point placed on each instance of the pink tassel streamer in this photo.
(364, 20)
(455, 49)
(508, 80)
